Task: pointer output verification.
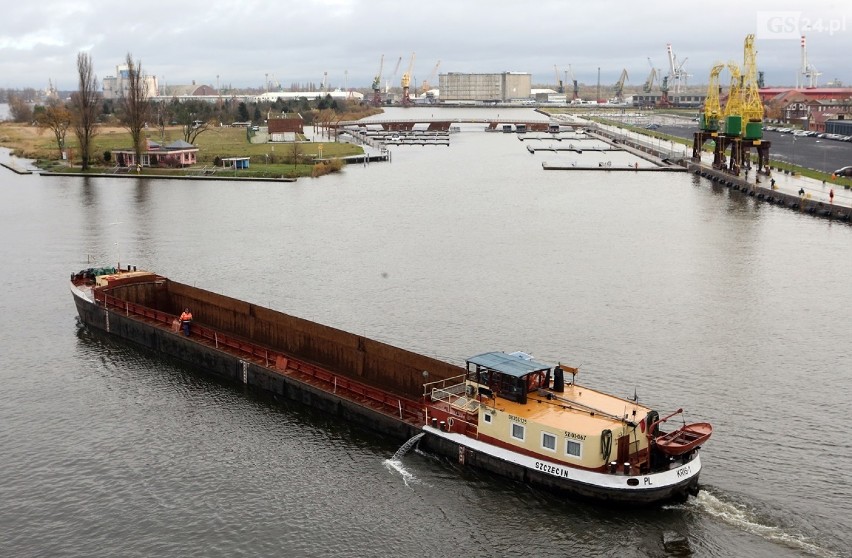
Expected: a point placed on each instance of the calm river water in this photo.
(656, 283)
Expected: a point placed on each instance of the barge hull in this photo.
(470, 457)
(225, 366)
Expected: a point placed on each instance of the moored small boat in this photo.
(684, 439)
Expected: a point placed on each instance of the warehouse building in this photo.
(503, 87)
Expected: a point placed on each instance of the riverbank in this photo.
(267, 160)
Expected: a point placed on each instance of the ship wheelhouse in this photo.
(512, 376)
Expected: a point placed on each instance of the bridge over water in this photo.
(443, 124)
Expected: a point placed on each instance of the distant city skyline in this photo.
(245, 44)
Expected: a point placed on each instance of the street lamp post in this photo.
(793, 159)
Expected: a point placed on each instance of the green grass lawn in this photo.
(267, 159)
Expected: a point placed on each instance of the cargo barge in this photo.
(505, 413)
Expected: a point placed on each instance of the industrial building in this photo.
(115, 87)
(337, 95)
(657, 99)
(503, 87)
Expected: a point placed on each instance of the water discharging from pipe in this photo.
(395, 462)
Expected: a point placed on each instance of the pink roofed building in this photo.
(174, 155)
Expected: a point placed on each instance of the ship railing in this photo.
(406, 409)
(341, 385)
(454, 384)
(453, 392)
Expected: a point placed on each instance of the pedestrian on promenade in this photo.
(831, 196)
(801, 191)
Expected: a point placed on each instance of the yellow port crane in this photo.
(377, 83)
(734, 106)
(752, 107)
(712, 106)
(406, 83)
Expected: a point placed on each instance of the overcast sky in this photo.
(240, 41)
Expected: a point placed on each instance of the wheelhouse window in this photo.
(548, 441)
(574, 449)
(518, 431)
(488, 418)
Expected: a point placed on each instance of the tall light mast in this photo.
(807, 74)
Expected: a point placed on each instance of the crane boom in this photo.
(393, 75)
(651, 80)
(752, 106)
(430, 78)
(576, 88)
(733, 107)
(619, 86)
(377, 83)
(712, 108)
(672, 60)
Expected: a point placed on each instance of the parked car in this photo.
(844, 171)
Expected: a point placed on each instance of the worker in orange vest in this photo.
(185, 321)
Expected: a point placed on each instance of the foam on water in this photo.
(407, 476)
(741, 517)
(395, 462)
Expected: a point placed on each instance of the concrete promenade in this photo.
(815, 197)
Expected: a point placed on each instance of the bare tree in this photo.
(57, 119)
(135, 105)
(296, 152)
(325, 117)
(85, 107)
(193, 129)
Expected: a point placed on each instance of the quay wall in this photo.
(795, 202)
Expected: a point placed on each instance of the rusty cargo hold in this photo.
(365, 381)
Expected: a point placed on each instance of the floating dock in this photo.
(604, 167)
(570, 147)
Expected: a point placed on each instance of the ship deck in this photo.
(577, 409)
